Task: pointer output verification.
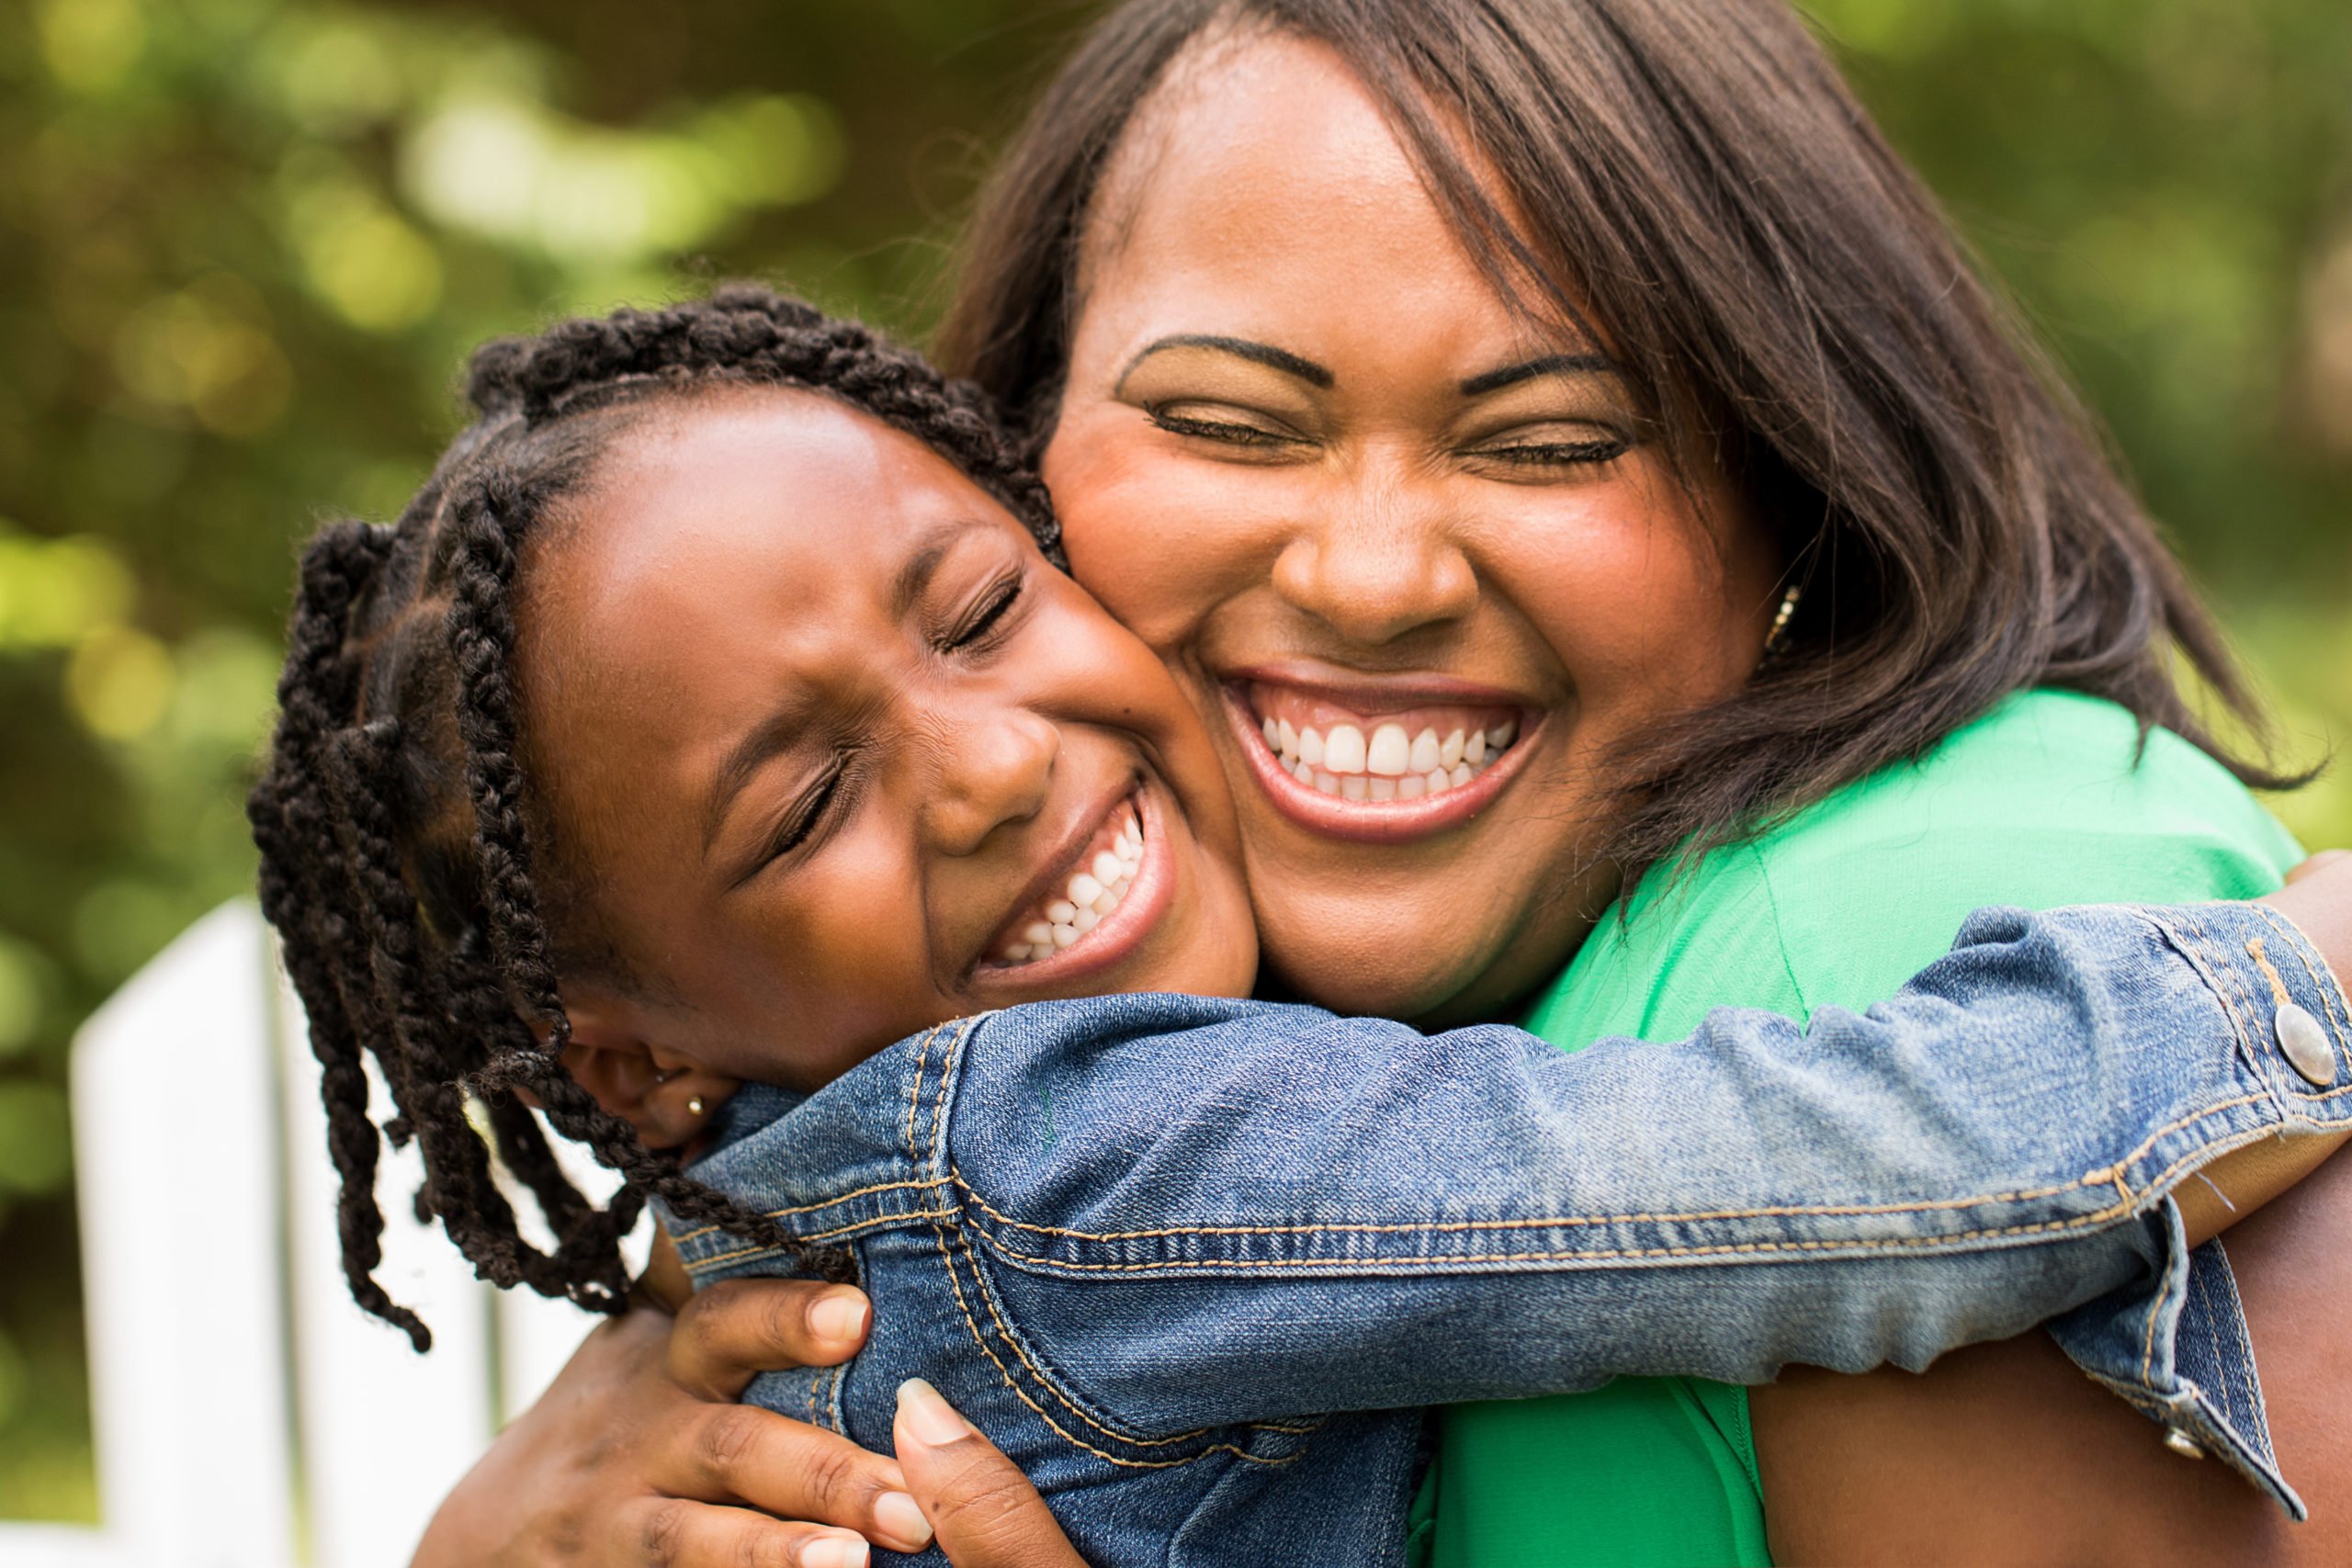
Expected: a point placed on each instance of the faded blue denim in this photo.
(1188, 1262)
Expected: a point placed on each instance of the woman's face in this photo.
(1340, 485)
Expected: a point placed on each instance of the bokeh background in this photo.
(244, 245)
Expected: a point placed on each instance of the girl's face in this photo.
(1415, 557)
(835, 751)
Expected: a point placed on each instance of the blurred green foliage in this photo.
(245, 243)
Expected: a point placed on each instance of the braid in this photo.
(396, 826)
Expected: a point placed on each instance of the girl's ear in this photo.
(667, 1096)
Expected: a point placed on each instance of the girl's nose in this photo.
(1374, 568)
(993, 767)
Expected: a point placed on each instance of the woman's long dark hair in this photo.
(1695, 176)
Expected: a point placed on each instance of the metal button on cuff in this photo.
(2178, 1440)
(2306, 1044)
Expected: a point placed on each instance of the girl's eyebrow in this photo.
(770, 737)
(1264, 353)
(1548, 365)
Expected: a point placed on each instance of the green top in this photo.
(2046, 801)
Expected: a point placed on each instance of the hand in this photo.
(637, 1454)
(987, 1514)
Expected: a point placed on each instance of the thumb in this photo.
(987, 1514)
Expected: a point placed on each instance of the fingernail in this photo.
(897, 1515)
(931, 1418)
(834, 1552)
(839, 1316)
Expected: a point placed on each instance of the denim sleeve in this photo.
(1197, 1213)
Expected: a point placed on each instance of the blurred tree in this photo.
(245, 243)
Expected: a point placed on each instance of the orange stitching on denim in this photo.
(914, 1090)
(859, 1228)
(1005, 1372)
(828, 1204)
(2113, 1175)
(2322, 976)
(1021, 1354)
(2256, 949)
(2103, 1177)
(2156, 1186)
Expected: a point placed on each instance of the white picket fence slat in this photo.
(247, 1414)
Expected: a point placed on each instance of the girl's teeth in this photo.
(1389, 766)
(1089, 898)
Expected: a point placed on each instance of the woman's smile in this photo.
(1434, 571)
(1380, 761)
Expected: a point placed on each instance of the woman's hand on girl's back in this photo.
(638, 1453)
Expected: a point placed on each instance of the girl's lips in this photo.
(1367, 821)
(1116, 936)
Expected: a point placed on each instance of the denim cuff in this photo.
(2178, 1348)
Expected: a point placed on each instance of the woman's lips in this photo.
(1090, 921)
(1376, 774)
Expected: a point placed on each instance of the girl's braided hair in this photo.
(398, 857)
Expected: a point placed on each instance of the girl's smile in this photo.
(849, 757)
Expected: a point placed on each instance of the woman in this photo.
(1596, 366)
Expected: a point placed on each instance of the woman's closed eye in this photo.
(1224, 424)
(1534, 451)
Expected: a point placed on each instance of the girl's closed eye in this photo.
(989, 615)
(806, 817)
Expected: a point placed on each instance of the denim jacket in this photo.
(1187, 1261)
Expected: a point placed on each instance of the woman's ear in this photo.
(669, 1097)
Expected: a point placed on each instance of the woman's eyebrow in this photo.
(1264, 353)
(1548, 365)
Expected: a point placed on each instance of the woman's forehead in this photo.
(1264, 180)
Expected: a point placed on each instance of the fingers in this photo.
(735, 1330)
(2319, 863)
(739, 1453)
(987, 1514)
(672, 1532)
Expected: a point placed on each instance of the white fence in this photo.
(248, 1414)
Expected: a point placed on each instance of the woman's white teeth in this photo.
(1090, 895)
(1391, 765)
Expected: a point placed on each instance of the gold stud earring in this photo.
(1773, 638)
(694, 1105)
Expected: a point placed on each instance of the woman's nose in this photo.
(1374, 568)
(992, 768)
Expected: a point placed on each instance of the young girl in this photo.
(821, 754)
